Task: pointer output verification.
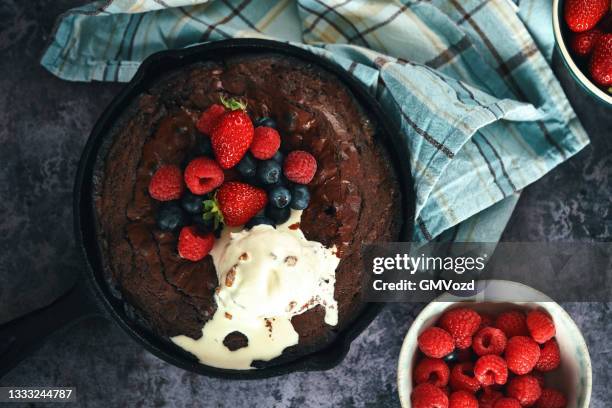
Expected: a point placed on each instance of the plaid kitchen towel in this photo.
(477, 102)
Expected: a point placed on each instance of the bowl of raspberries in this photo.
(583, 34)
(488, 352)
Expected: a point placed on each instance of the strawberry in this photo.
(239, 202)
(203, 175)
(166, 184)
(582, 15)
(194, 246)
(600, 65)
(582, 43)
(232, 135)
(266, 142)
(209, 118)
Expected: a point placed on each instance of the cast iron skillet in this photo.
(24, 335)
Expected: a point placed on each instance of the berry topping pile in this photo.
(238, 176)
(473, 360)
(590, 39)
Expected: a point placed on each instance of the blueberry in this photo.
(279, 157)
(265, 121)
(170, 216)
(279, 196)
(204, 226)
(259, 220)
(300, 197)
(269, 171)
(203, 146)
(192, 203)
(247, 167)
(278, 215)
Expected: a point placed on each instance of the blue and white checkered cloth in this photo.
(467, 80)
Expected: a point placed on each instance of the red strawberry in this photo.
(428, 396)
(300, 167)
(582, 43)
(266, 142)
(525, 388)
(462, 399)
(540, 325)
(600, 65)
(239, 202)
(194, 246)
(232, 136)
(167, 184)
(209, 118)
(203, 175)
(551, 399)
(582, 15)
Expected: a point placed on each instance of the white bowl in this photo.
(573, 377)
(568, 59)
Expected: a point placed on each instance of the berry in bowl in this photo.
(583, 34)
(489, 352)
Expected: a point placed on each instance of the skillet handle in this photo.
(22, 336)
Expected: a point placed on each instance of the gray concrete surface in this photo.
(45, 123)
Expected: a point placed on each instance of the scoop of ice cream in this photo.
(266, 276)
(268, 272)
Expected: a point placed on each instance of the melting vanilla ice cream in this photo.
(266, 276)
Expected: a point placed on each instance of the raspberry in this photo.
(462, 378)
(507, 403)
(266, 142)
(525, 389)
(491, 369)
(541, 326)
(538, 376)
(462, 399)
(550, 357)
(435, 342)
(300, 167)
(209, 118)
(512, 323)
(522, 354)
(166, 184)
(428, 396)
(194, 246)
(486, 320)
(432, 370)
(489, 341)
(489, 397)
(203, 175)
(551, 399)
(461, 323)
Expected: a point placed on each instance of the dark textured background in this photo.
(45, 123)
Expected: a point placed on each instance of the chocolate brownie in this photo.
(355, 194)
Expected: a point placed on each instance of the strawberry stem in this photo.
(233, 103)
(212, 211)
